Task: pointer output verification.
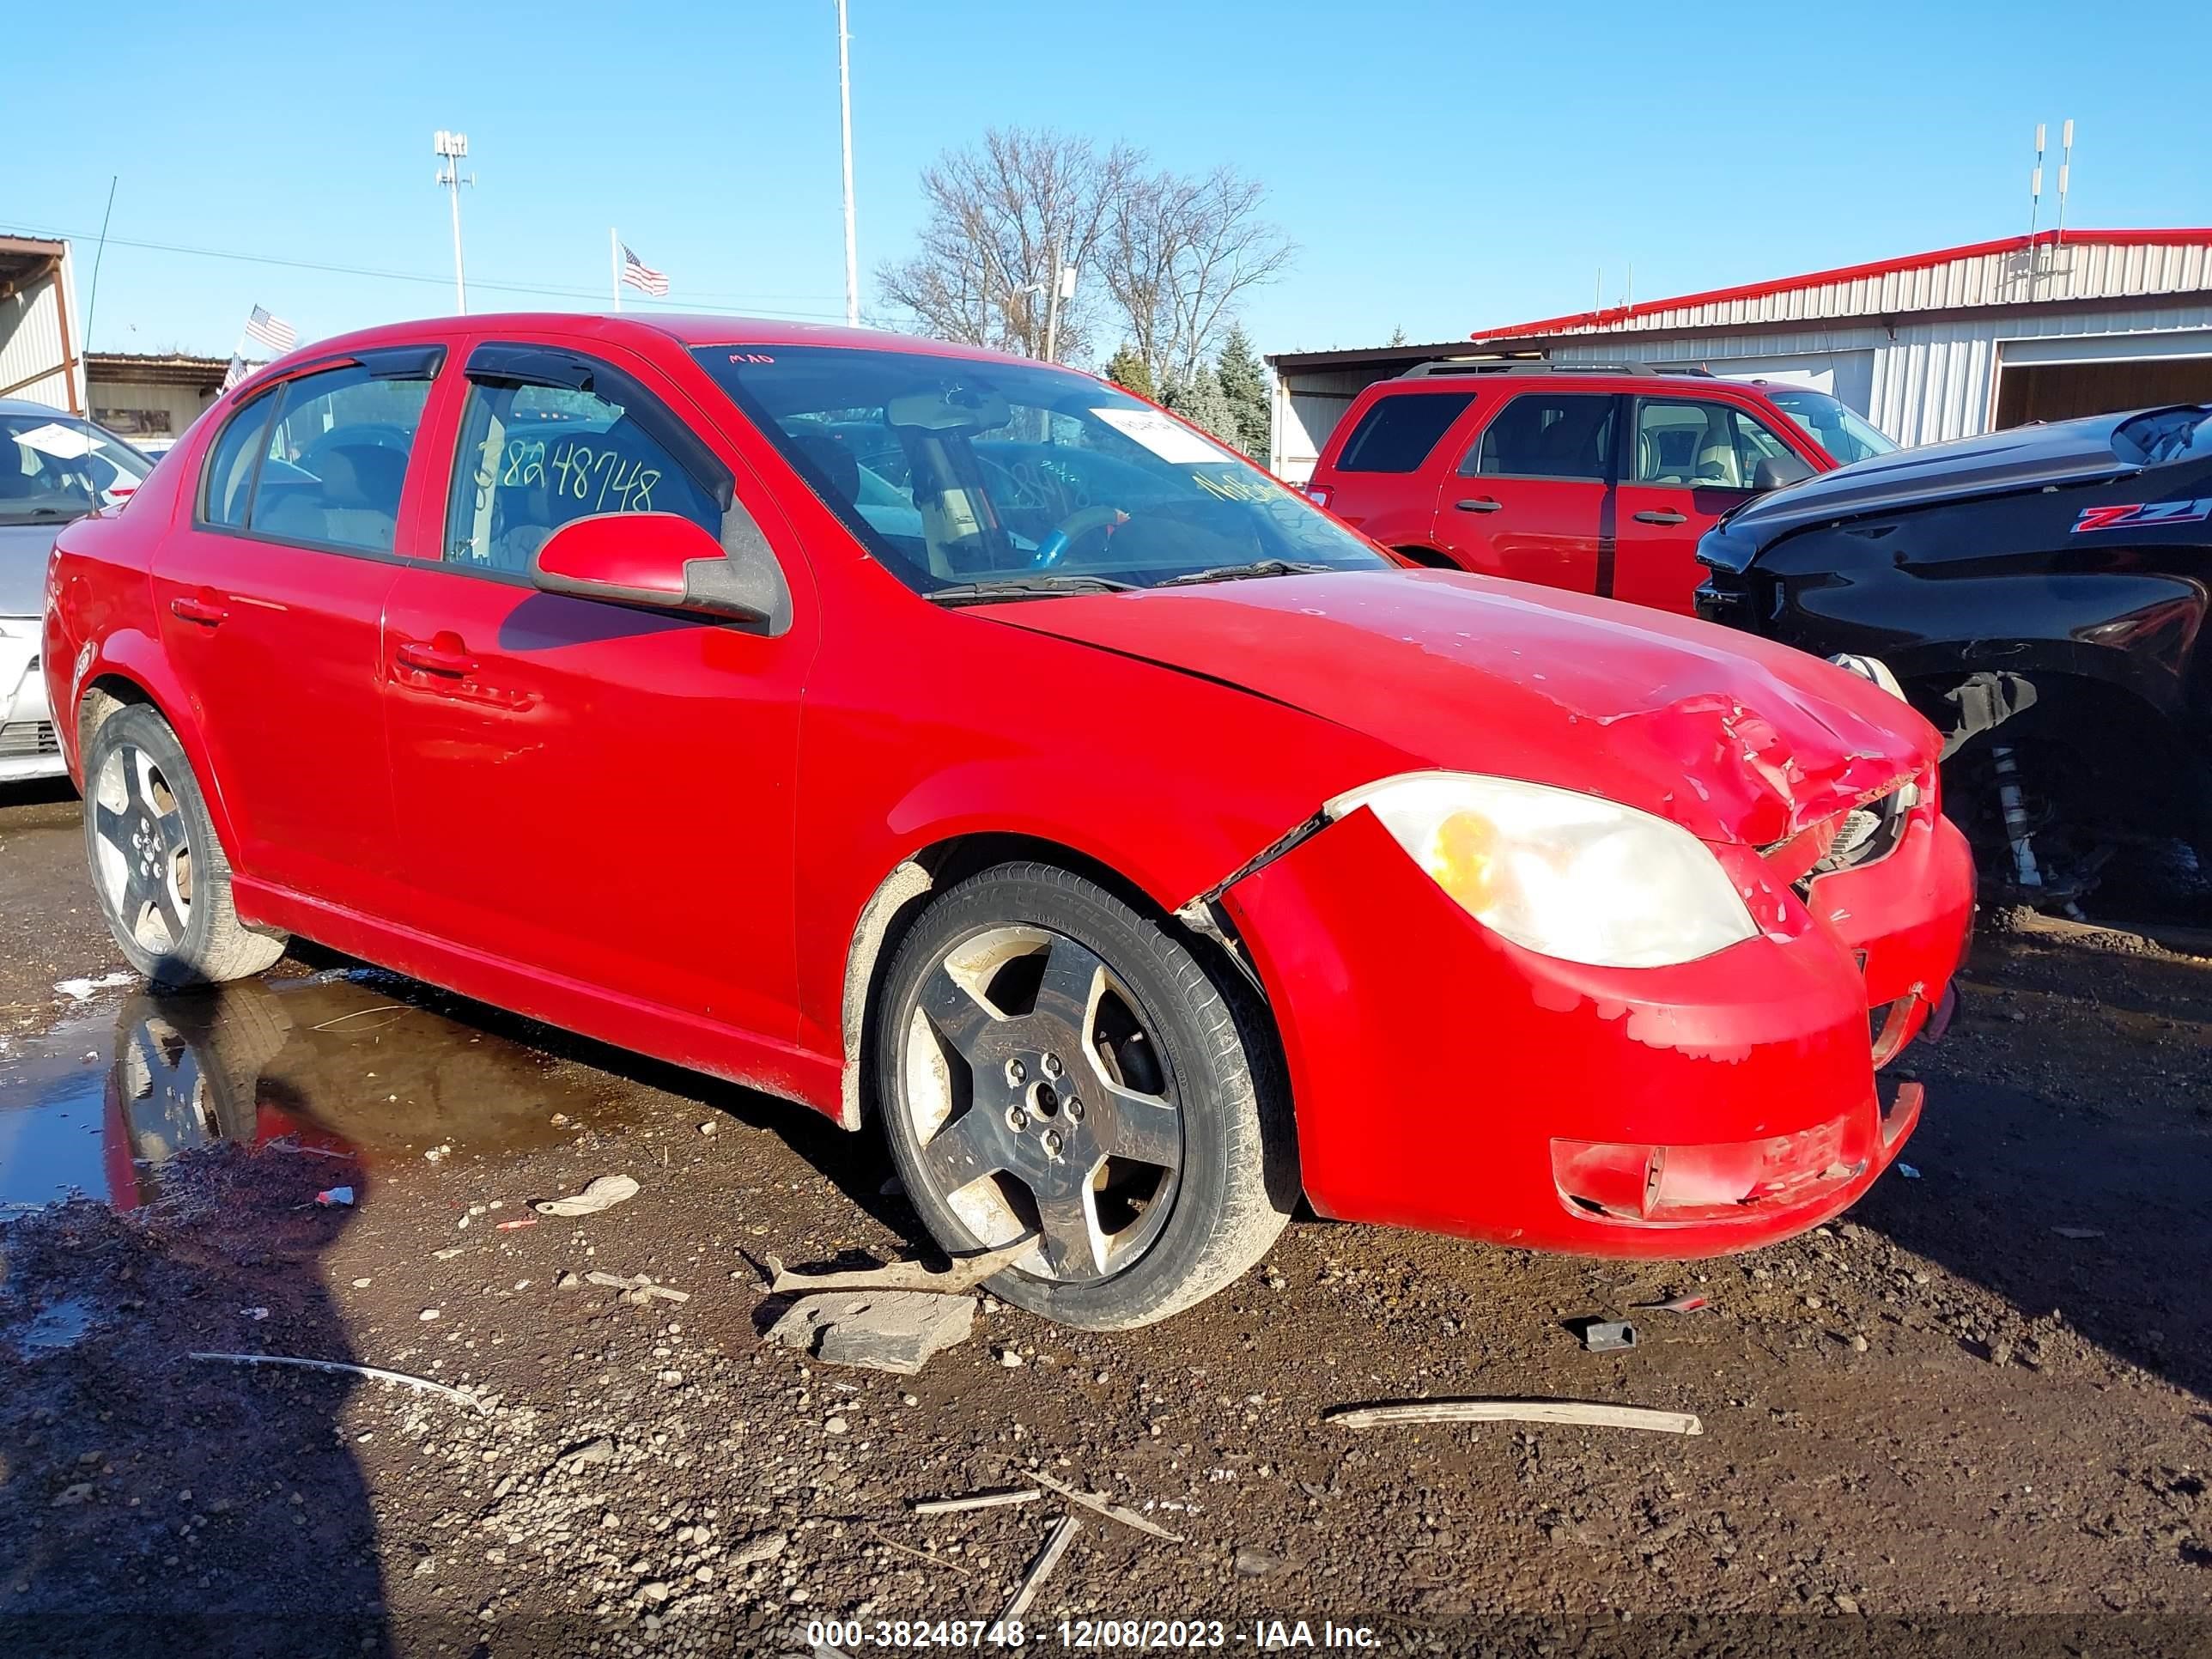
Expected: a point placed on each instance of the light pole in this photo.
(845, 118)
(452, 147)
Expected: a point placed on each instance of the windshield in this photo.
(958, 474)
(2158, 435)
(1846, 435)
(53, 468)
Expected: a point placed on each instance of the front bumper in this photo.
(1446, 1079)
(28, 747)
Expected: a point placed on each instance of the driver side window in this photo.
(532, 457)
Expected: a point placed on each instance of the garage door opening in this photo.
(2060, 391)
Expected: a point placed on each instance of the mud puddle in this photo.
(348, 1063)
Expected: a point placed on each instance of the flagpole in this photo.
(614, 263)
(844, 124)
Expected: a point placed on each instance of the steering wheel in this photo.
(378, 434)
(1073, 529)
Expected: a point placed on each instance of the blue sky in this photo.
(1442, 167)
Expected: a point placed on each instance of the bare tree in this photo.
(998, 215)
(1180, 254)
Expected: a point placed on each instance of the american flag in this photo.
(235, 373)
(636, 273)
(279, 336)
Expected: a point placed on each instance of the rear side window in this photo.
(1547, 434)
(1397, 433)
(322, 460)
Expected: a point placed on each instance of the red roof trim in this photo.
(1843, 274)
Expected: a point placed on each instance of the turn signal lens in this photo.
(1567, 875)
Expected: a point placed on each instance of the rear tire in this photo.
(161, 876)
(1049, 1060)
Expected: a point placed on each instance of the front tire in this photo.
(1050, 1061)
(160, 873)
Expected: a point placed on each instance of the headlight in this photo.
(1564, 874)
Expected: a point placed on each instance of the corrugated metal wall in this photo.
(36, 338)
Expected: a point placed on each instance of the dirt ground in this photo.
(1966, 1418)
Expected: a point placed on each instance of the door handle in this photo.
(445, 656)
(202, 607)
(1478, 504)
(1663, 518)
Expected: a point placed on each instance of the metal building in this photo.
(38, 357)
(1931, 346)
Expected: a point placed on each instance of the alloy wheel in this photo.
(143, 857)
(1042, 1103)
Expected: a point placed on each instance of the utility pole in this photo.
(452, 147)
(1063, 288)
(845, 117)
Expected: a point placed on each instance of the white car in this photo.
(53, 468)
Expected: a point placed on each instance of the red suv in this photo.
(1597, 480)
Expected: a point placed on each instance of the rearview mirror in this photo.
(1775, 471)
(660, 562)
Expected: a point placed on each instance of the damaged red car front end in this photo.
(1449, 1078)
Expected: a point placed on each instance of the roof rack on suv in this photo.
(1462, 366)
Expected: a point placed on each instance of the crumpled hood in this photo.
(1735, 738)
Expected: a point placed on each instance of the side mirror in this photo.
(1777, 470)
(660, 562)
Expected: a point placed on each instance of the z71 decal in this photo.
(2135, 515)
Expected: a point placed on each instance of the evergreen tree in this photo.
(1200, 400)
(1127, 369)
(1244, 384)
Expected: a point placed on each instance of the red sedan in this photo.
(953, 741)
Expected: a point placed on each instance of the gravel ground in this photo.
(1941, 1425)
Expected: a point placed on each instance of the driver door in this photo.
(600, 796)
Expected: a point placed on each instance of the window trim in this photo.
(521, 364)
(1612, 475)
(423, 362)
(1741, 410)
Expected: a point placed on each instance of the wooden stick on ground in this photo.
(1514, 1411)
(1112, 1511)
(1055, 1546)
(981, 1500)
(376, 1371)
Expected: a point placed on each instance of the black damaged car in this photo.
(2040, 595)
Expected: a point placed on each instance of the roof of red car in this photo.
(687, 328)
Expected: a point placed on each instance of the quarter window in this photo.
(1398, 431)
(335, 464)
(1545, 434)
(533, 457)
(1702, 445)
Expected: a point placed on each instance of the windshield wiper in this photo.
(1232, 573)
(1038, 586)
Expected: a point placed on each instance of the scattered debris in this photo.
(1678, 1304)
(882, 1537)
(895, 1331)
(1055, 1546)
(1010, 1359)
(981, 1500)
(2079, 1232)
(708, 1128)
(1908, 1171)
(335, 1198)
(602, 1194)
(1257, 1564)
(1513, 1411)
(526, 1221)
(964, 1274)
(438, 1154)
(69, 1496)
(1608, 1335)
(340, 1366)
(762, 1547)
(590, 1452)
(1106, 1507)
(255, 1313)
(398, 1010)
(450, 1252)
(79, 990)
(638, 1290)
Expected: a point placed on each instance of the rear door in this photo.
(1687, 460)
(1531, 497)
(269, 601)
(600, 793)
